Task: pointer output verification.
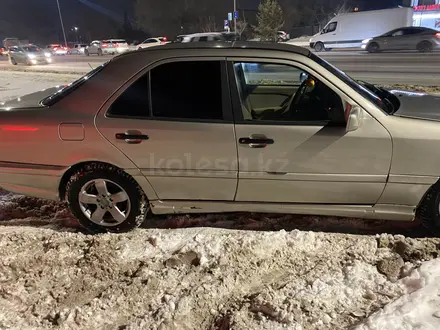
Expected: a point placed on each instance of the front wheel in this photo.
(13, 61)
(319, 47)
(106, 199)
(373, 47)
(429, 210)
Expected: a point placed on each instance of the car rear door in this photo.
(174, 121)
(301, 152)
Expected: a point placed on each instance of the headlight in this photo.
(366, 41)
(310, 40)
(47, 54)
(31, 55)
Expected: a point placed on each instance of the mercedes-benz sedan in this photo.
(224, 127)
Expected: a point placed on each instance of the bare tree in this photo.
(208, 24)
(241, 26)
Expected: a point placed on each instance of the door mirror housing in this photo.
(303, 76)
(354, 118)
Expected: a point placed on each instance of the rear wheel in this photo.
(106, 199)
(429, 210)
(424, 46)
(319, 46)
(373, 47)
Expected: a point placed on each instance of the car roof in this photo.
(231, 45)
(202, 34)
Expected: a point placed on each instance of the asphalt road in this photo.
(384, 68)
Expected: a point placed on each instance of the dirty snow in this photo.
(233, 271)
(418, 309)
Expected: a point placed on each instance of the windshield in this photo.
(59, 94)
(360, 88)
(31, 49)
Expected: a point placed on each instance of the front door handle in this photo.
(132, 137)
(256, 141)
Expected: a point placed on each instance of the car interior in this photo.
(303, 98)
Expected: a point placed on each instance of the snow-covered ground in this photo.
(235, 271)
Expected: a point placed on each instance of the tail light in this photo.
(104, 45)
(116, 45)
(437, 35)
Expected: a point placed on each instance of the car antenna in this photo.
(91, 67)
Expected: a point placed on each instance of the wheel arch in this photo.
(142, 182)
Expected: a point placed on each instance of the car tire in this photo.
(13, 61)
(99, 52)
(319, 47)
(373, 47)
(424, 46)
(139, 48)
(86, 202)
(86, 52)
(429, 210)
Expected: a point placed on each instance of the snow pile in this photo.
(196, 278)
(419, 309)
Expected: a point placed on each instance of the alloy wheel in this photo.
(104, 202)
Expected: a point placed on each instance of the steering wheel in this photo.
(295, 99)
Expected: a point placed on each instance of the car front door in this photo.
(174, 121)
(298, 150)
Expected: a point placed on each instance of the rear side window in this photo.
(187, 90)
(179, 90)
(134, 101)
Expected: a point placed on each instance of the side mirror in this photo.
(354, 119)
(302, 77)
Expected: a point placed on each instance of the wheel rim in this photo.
(104, 202)
(319, 47)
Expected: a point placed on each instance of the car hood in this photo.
(30, 100)
(418, 105)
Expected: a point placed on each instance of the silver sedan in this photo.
(223, 127)
(407, 38)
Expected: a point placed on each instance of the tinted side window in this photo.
(203, 39)
(134, 101)
(187, 90)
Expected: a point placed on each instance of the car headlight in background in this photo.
(31, 56)
(47, 54)
(366, 41)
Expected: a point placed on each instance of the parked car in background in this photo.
(202, 37)
(152, 42)
(29, 55)
(57, 49)
(78, 48)
(283, 36)
(116, 46)
(107, 47)
(209, 36)
(313, 140)
(406, 38)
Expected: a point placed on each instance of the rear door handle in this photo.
(256, 141)
(132, 137)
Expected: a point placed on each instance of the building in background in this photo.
(426, 13)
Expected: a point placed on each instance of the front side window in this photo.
(331, 27)
(279, 92)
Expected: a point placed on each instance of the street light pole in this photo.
(235, 20)
(62, 24)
